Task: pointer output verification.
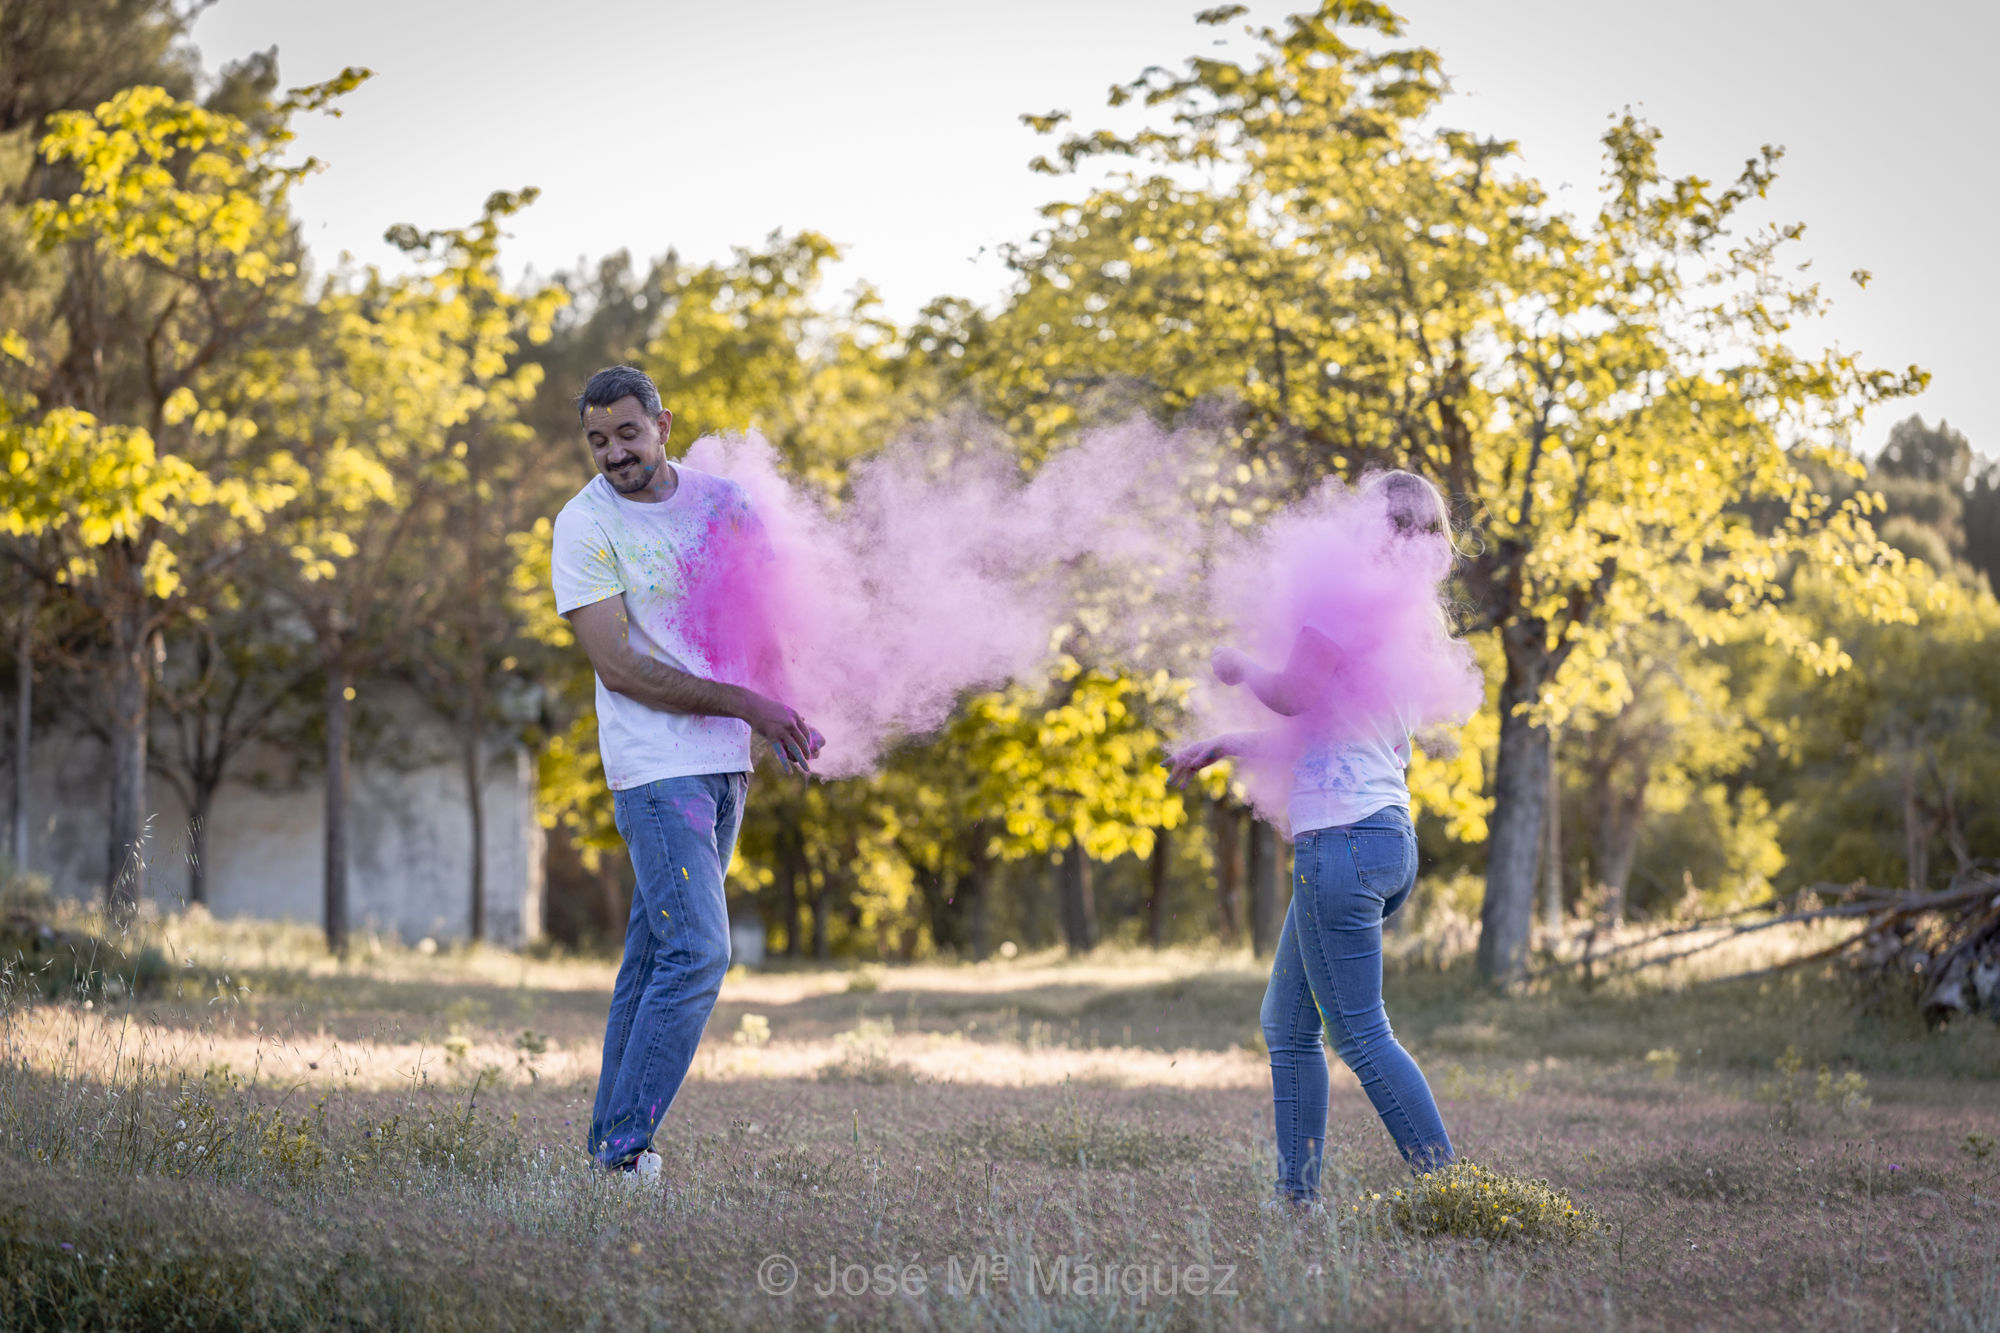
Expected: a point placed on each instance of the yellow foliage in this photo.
(1080, 766)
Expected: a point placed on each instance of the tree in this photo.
(60, 55)
(1888, 771)
(744, 346)
(372, 400)
(487, 484)
(1671, 745)
(1920, 453)
(225, 675)
(1921, 478)
(1606, 398)
(175, 240)
(1982, 523)
(177, 254)
(1073, 776)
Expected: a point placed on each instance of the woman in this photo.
(1355, 850)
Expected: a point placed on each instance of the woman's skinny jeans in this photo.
(1329, 972)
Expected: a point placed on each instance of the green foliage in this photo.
(189, 206)
(40, 960)
(744, 346)
(1890, 767)
(1793, 1093)
(67, 54)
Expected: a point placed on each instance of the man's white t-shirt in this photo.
(1338, 782)
(653, 554)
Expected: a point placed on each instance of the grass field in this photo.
(275, 1141)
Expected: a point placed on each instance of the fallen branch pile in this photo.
(1947, 942)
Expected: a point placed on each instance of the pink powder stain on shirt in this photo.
(1334, 563)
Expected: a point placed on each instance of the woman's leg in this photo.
(1340, 899)
(1298, 1066)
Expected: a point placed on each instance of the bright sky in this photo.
(892, 126)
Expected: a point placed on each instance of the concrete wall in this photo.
(409, 834)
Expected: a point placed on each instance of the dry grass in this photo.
(275, 1140)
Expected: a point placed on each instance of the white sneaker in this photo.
(645, 1171)
(1293, 1207)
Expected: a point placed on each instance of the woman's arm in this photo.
(1184, 763)
(1294, 690)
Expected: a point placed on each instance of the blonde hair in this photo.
(1415, 507)
(1414, 504)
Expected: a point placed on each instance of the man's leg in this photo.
(681, 832)
(633, 973)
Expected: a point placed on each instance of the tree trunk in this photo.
(1079, 911)
(335, 874)
(821, 896)
(24, 700)
(788, 894)
(1266, 918)
(1552, 853)
(125, 851)
(475, 802)
(1916, 826)
(1520, 790)
(1156, 889)
(475, 694)
(1949, 825)
(204, 799)
(1229, 897)
(1619, 813)
(977, 890)
(974, 890)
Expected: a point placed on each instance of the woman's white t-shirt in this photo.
(1343, 781)
(607, 546)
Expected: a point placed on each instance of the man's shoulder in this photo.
(585, 507)
(592, 495)
(719, 489)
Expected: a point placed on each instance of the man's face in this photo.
(628, 446)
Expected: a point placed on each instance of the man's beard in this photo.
(644, 478)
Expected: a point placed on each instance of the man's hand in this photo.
(602, 629)
(790, 737)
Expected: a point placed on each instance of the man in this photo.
(649, 567)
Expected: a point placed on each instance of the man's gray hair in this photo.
(607, 386)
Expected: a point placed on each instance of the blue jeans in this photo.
(1329, 972)
(681, 833)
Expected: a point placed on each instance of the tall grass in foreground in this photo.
(142, 1188)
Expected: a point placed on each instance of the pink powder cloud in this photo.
(944, 569)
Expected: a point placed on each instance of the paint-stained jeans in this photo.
(681, 833)
(1345, 881)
